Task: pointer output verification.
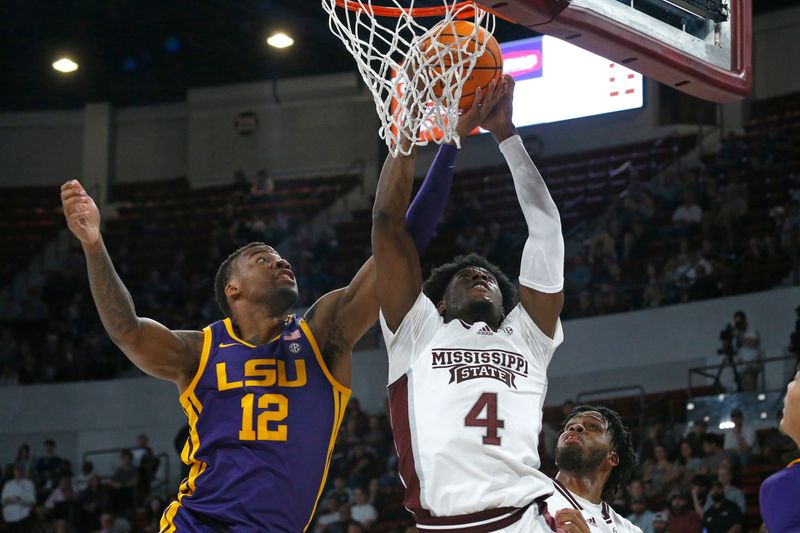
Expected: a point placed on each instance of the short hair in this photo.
(436, 284)
(224, 276)
(621, 442)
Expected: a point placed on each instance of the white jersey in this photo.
(466, 410)
(600, 517)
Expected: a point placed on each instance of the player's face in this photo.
(474, 292)
(264, 276)
(790, 424)
(585, 443)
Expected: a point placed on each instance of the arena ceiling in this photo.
(145, 51)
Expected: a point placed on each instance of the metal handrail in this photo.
(706, 371)
(163, 457)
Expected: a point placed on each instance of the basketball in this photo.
(488, 67)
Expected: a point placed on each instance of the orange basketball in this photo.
(488, 67)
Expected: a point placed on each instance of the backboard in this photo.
(703, 52)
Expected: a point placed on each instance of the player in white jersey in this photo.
(467, 363)
(595, 457)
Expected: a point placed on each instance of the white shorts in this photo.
(534, 519)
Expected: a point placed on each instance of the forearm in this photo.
(112, 299)
(393, 192)
(542, 265)
(428, 205)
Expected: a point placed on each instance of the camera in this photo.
(727, 337)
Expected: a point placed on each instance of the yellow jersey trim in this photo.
(795, 462)
(340, 399)
(167, 523)
(200, 367)
(318, 354)
(229, 328)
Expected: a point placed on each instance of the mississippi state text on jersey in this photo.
(466, 411)
(263, 421)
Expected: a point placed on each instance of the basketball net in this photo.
(415, 79)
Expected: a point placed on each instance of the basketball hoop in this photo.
(401, 61)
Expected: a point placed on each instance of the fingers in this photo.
(571, 521)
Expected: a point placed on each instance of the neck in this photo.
(257, 325)
(587, 486)
(471, 318)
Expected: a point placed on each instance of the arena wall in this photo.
(652, 348)
(316, 124)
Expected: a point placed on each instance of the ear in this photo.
(613, 458)
(232, 289)
(441, 307)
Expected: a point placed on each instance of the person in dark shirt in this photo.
(723, 516)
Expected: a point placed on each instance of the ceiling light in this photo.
(280, 40)
(65, 65)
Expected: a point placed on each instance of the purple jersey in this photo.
(263, 421)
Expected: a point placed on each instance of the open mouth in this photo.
(480, 284)
(572, 437)
(286, 274)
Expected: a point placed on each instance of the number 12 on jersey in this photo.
(490, 421)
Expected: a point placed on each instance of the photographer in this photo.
(741, 345)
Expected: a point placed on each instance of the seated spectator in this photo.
(362, 511)
(660, 520)
(263, 187)
(681, 515)
(123, 483)
(714, 453)
(58, 494)
(153, 511)
(146, 463)
(18, 498)
(340, 525)
(95, 500)
(106, 523)
(331, 514)
(640, 516)
(50, 467)
(723, 516)
(25, 461)
(731, 492)
(687, 217)
(660, 472)
(340, 491)
(579, 275)
(687, 464)
(695, 434)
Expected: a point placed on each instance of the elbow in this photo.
(384, 221)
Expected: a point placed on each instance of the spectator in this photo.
(340, 491)
(50, 467)
(18, 498)
(723, 516)
(153, 511)
(660, 521)
(123, 483)
(81, 481)
(732, 493)
(682, 517)
(362, 511)
(687, 217)
(695, 434)
(741, 438)
(95, 499)
(263, 186)
(59, 493)
(748, 350)
(106, 523)
(579, 275)
(640, 516)
(25, 461)
(332, 506)
(714, 453)
(340, 526)
(146, 463)
(659, 472)
(687, 464)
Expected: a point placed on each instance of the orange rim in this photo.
(416, 12)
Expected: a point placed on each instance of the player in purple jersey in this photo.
(264, 390)
(780, 492)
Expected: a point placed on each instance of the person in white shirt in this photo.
(595, 457)
(689, 213)
(18, 497)
(741, 438)
(467, 364)
(362, 511)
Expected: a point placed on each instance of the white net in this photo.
(415, 65)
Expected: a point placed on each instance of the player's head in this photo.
(790, 423)
(471, 288)
(255, 273)
(594, 440)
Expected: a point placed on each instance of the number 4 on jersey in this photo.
(490, 422)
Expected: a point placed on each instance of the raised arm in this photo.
(542, 267)
(154, 349)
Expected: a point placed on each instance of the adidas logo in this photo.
(485, 330)
(591, 521)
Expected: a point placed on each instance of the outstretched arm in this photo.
(541, 274)
(154, 349)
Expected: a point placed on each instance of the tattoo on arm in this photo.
(112, 299)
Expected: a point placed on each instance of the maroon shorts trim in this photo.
(469, 521)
